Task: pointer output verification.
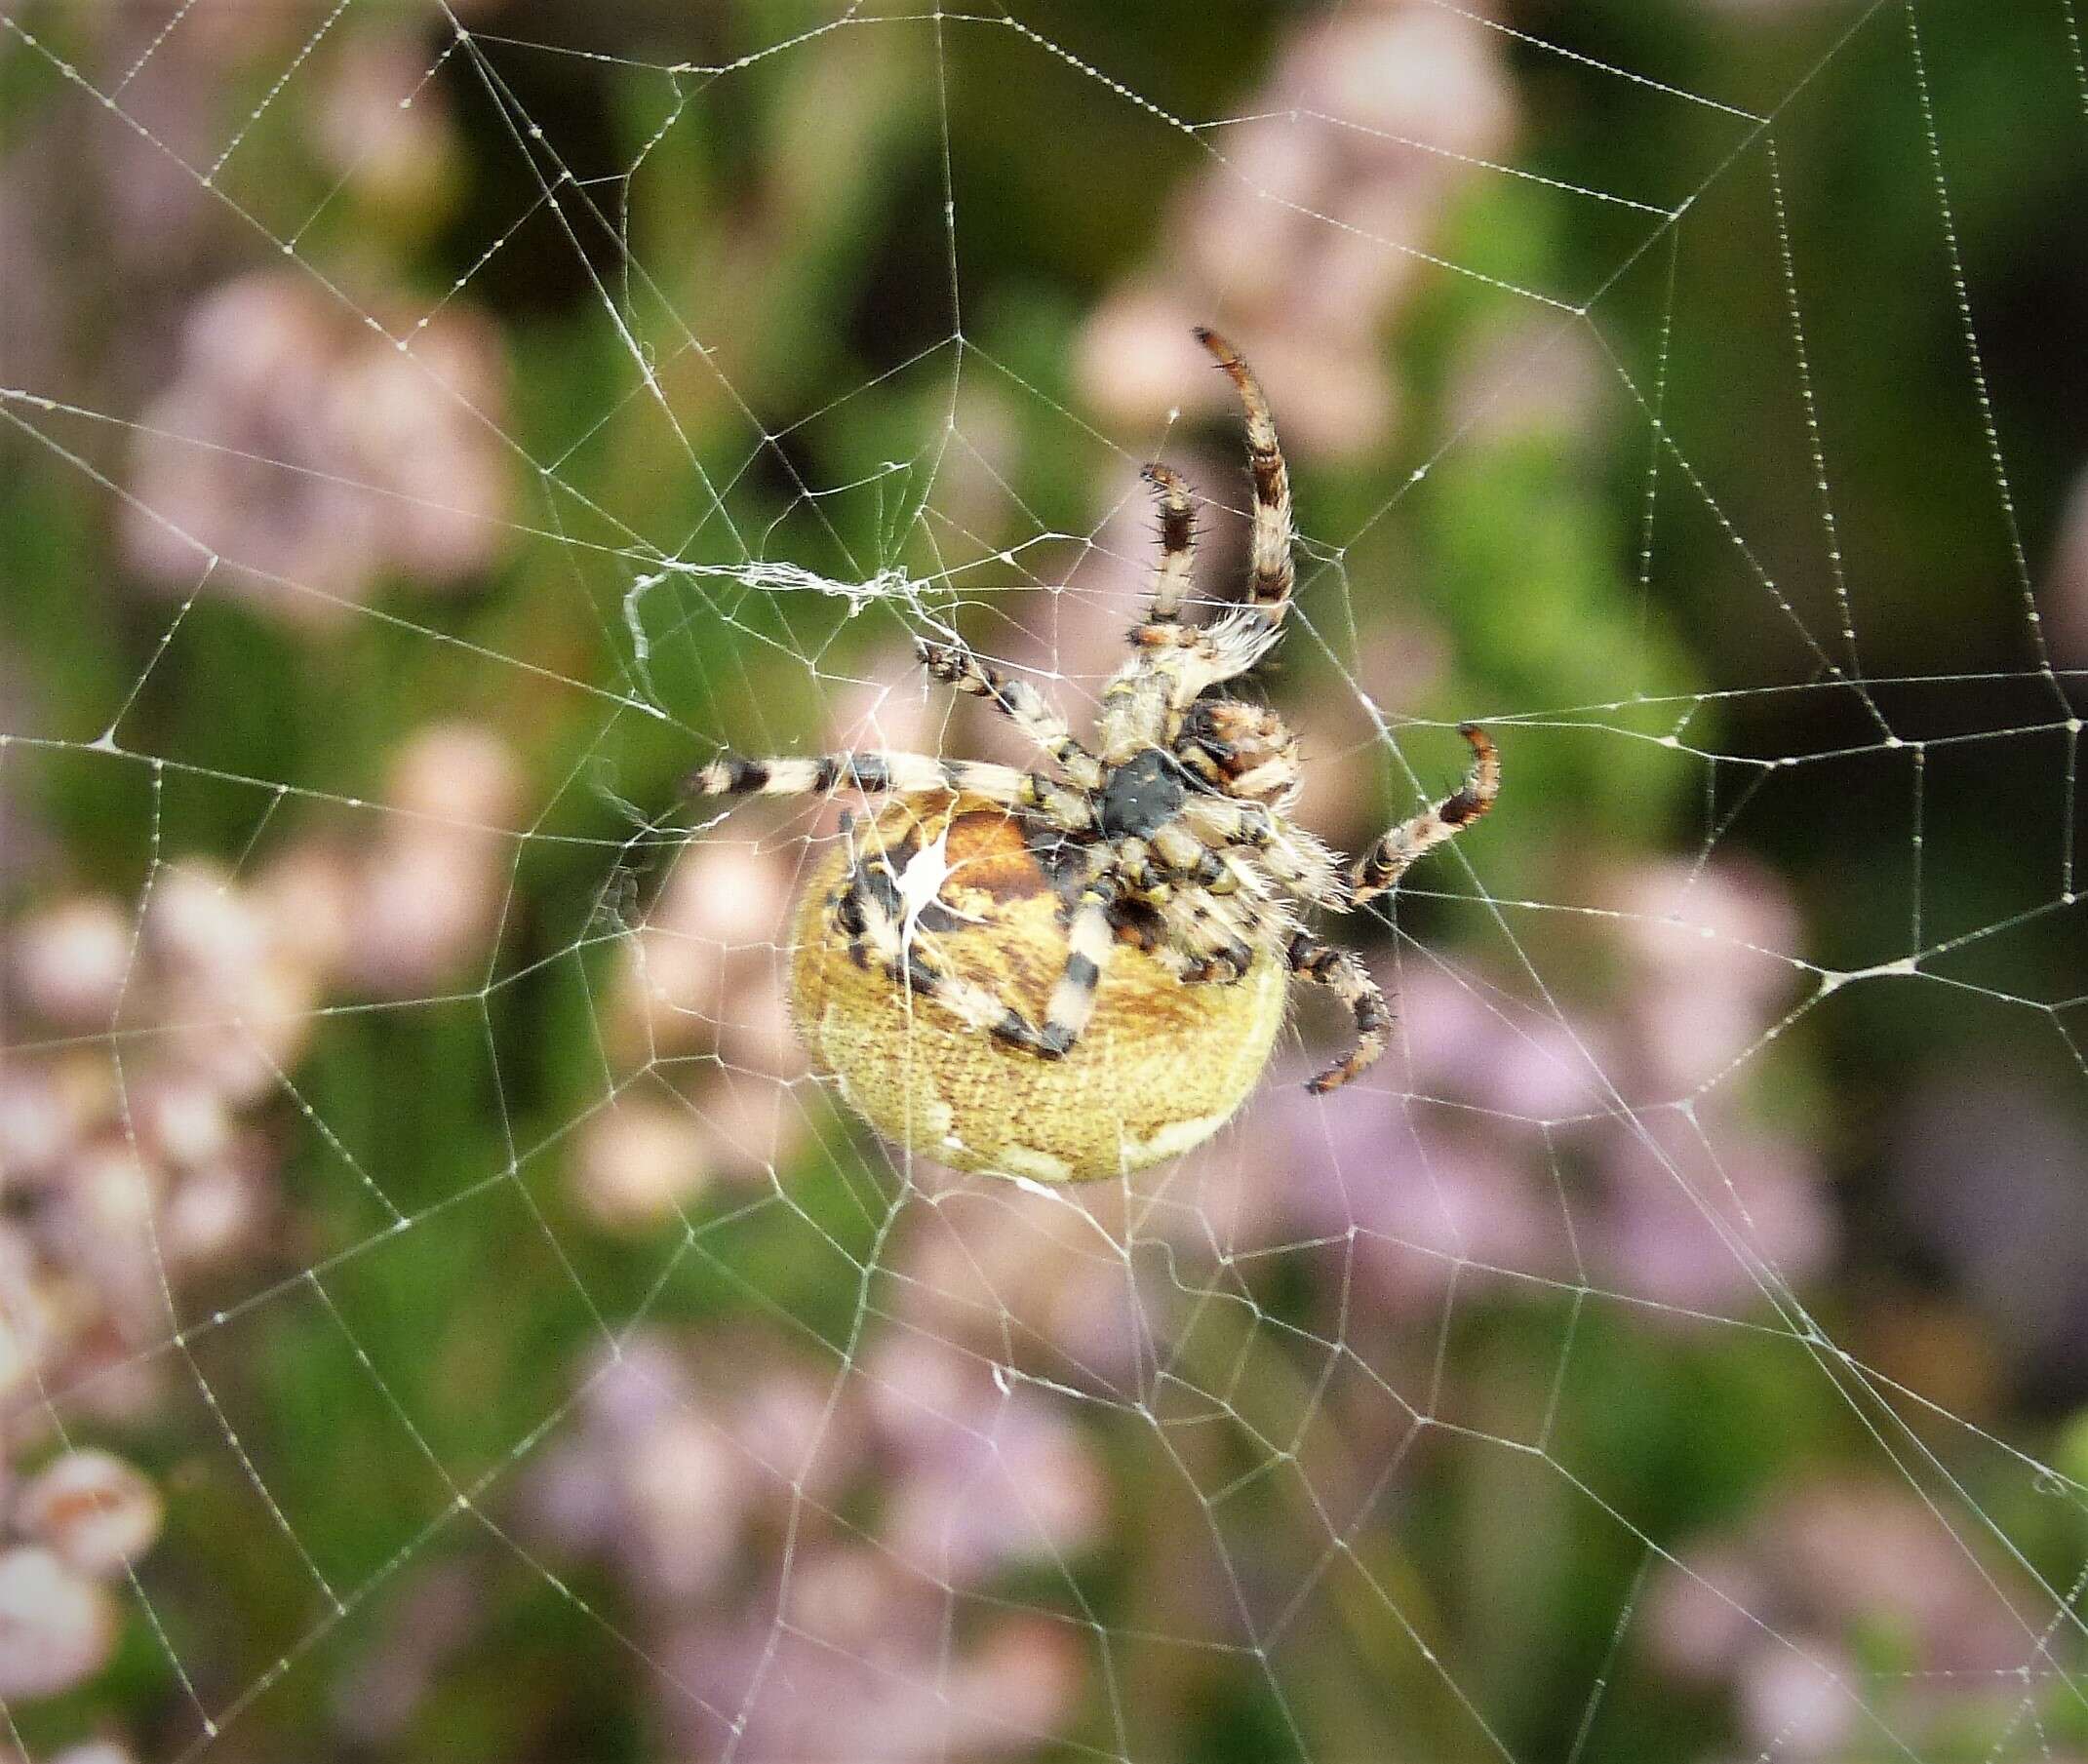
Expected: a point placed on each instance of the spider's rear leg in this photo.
(1091, 942)
(735, 775)
(1345, 977)
(1381, 866)
(872, 911)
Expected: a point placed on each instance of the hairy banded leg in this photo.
(902, 774)
(1272, 574)
(1296, 858)
(1381, 866)
(1177, 546)
(1208, 938)
(1345, 977)
(872, 911)
(1090, 941)
(732, 775)
(1020, 702)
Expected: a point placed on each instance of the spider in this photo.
(1172, 830)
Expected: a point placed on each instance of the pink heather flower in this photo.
(990, 1267)
(430, 888)
(182, 1119)
(36, 1122)
(1702, 1220)
(1295, 244)
(684, 1489)
(438, 1613)
(1713, 950)
(718, 919)
(101, 1219)
(857, 1666)
(239, 1003)
(56, 1628)
(1774, 1608)
(92, 1510)
(1522, 377)
(217, 1210)
(639, 1161)
(307, 895)
(302, 447)
(71, 961)
(384, 126)
(461, 777)
(985, 1480)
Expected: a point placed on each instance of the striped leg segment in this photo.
(1177, 546)
(1212, 937)
(1018, 700)
(904, 774)
(872, 911)
(732, 775)
(1091, 942)
(1380, 868)
(1273, 572)
(1345, 977)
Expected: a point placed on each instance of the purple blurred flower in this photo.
(312, 456)
(1296, 241)
(56, 1626)
(1777, 1609)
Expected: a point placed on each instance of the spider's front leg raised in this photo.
(1171, 576)
(1017, 700)
(1380, 868)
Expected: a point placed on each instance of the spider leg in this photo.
(904, 774)
(1345, 977)
(1380, 868)
(872, 911)
(1091, 942)
(733, 775)
(1295, 857)
(1177, 548)
(1019, 701)
(1211, 937)
(1272, 571)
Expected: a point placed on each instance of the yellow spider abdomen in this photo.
(1161, 1067)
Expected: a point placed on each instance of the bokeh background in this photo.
(440, 1317)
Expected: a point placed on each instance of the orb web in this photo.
(424, 1241)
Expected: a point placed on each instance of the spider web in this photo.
(411, 1173)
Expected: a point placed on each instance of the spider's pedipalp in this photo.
(1348, 980)
(1177, 546)
(1380, 868)
(1272, 571)
(1016, 699)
